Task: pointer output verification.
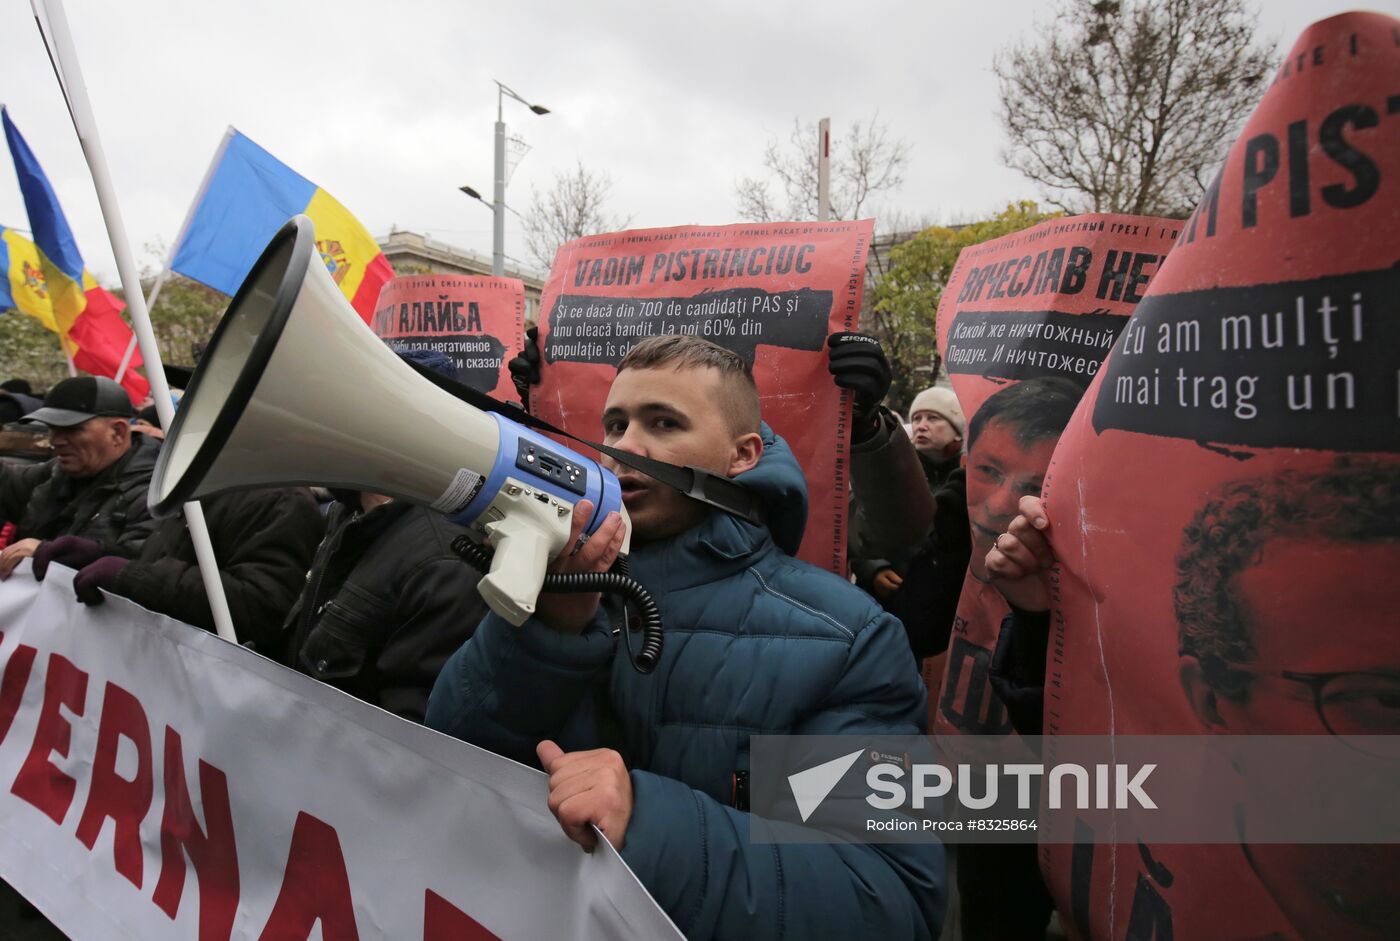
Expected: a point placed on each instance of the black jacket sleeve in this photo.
(1018, 668)
(263, 540)
(927, 602)
(437, 610)
(892, 508)
(17, 483)
(133, 506)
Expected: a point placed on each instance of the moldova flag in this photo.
(247, 196)
(47, 278)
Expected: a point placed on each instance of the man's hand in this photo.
(525, 368)
(14, 553)
(856, 362)
(1020, 557)
(94, 577)
(570, 613)
(886, 582)
(588, 789)
(72, 551)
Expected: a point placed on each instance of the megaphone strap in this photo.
(697, 483)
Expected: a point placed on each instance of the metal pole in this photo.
(67, 355)
(126, 358)
(824, 169)
(71, 81)
(498, 209)
(150, 306)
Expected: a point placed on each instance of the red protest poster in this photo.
(477, 322)
(1226, 506)
(1044, 303)
(771, 292)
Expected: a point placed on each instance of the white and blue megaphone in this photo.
(295, 389)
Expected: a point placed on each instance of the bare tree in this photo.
(571, 208)
(864, 162)
(1130, 106)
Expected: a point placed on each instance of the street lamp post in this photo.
(498, 208)
(486, 202)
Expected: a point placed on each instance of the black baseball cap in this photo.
(73, 401)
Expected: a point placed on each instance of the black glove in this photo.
(525, 368)
(857, 363)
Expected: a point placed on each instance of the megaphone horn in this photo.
(295, 389)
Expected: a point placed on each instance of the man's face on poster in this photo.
(1321, 616)
(1000, 471)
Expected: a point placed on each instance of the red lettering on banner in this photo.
(110, 794)
(443, 921)
(39, 781)
(17, 670)
(211, 851)
(315, 886)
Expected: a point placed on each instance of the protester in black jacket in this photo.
(891, 507)
(96, 484)
(906, 505)
(386, 602)
(263, 541)
(926, 602)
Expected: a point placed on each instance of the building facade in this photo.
(411, 253)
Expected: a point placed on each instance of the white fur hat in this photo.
(941, 401)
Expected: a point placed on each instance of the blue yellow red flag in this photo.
(24, 289)
(247, 196)
(47, 279)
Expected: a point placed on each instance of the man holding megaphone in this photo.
(757, 643)
(656, 757)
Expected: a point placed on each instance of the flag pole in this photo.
(67, 355)
(175, 246)
(150, 305)
(126, 358)
(70, 80)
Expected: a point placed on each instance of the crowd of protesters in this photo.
(366, 593)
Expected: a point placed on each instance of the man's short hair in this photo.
(1032, 410)
(1351, 503)
(740, 395)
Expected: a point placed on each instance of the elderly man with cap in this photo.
(96, 484)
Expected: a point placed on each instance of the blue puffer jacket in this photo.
(756, 643)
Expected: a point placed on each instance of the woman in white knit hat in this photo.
(937, 423)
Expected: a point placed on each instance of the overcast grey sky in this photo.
(390, 106)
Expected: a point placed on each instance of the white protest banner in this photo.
(159, 783)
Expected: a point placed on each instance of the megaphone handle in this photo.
(524, 542)
(616, 581)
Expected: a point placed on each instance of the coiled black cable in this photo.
(616, 581)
